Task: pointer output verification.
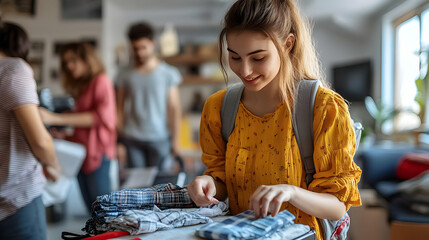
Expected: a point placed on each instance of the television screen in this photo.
(353, 81)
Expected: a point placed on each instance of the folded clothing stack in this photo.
(137, 211)
(246, 226)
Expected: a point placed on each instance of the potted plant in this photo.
(422, 91)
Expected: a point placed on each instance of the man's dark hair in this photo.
(14, 40)
(141, 30)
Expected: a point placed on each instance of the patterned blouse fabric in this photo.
(264, 151)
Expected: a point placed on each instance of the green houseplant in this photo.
(380, 112)
(422, 91)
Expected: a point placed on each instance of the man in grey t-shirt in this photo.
(148, 103)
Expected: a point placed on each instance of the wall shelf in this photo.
(189, 59)
(196, 79)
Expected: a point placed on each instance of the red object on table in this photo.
(108, 235)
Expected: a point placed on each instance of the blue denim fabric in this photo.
(96, 183)
(246, 226)
(28, 223)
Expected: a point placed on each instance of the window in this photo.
(411, 46)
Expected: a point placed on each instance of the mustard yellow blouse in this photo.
(263, 151)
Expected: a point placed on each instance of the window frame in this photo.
(416, 11)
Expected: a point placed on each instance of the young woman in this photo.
(94, 117)
(26, 148)
(270, 49)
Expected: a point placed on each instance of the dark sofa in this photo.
(379, 167)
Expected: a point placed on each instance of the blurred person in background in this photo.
(149, 110)
(27, 154)
(93, 119)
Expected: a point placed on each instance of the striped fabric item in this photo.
(21, 177)
(246, 226)
(145, 221)
(162, 195)
(115, 204)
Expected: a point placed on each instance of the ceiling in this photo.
(351, 15)
(312, 8)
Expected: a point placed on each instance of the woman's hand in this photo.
(267, 200)
(58, 133)
(52, 173)
(202, 191)
(46, 115)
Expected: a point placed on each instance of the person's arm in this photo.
(267, 200)
(120, 96)
(174, 117)
(209, 188)
(82, 119)
(39, 139)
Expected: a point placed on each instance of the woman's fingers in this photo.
(255, 199)
(196, 193)
(51, 173)
(209, 192)
(275, 204)
(267, 200)
(202, 190)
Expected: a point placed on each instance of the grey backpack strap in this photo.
(230, 104)
(302, 120)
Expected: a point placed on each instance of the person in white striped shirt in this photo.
(27, 155)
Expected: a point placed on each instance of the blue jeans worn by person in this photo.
(96, 183)
(28, 223)
(146, 153)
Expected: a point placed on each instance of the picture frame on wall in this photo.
(81, 9)
(18, 7)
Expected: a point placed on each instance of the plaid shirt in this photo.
(245, 226)
(163, 196)
(146, 221)
(115, 204)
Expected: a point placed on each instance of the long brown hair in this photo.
(86, 53)
(276, 19)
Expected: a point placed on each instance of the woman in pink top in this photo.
(94, 117)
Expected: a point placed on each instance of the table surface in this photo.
(187, 232)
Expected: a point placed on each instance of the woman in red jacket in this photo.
(93, 119)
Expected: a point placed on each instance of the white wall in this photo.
(338, 47)
(194, 21)
(47, 26)
(334, 44)
(192, 27)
